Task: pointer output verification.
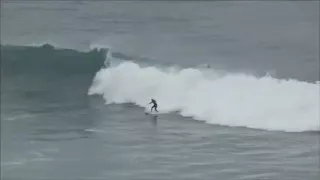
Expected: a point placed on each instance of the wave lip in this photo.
(231, 100)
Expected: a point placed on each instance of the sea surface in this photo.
(237, 86)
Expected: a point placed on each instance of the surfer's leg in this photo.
(152, 108)
(155, 107)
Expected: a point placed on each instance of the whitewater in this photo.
(234, 99)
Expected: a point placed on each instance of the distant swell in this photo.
(231, 100)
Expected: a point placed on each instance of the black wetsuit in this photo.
(155, 105)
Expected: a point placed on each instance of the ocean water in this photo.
(237, 86)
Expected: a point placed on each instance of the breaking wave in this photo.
(225, 99)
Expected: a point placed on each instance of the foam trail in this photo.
(232, 100)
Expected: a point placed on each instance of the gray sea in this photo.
(237, 86)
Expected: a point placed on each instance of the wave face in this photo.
(231, 99)
(47, 60)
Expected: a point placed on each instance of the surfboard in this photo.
(153, 113)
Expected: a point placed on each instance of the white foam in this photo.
(99, 46)
(39, 44)
(231, 100)
(14, 163)
(94, 130)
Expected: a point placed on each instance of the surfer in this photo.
(155, 105)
